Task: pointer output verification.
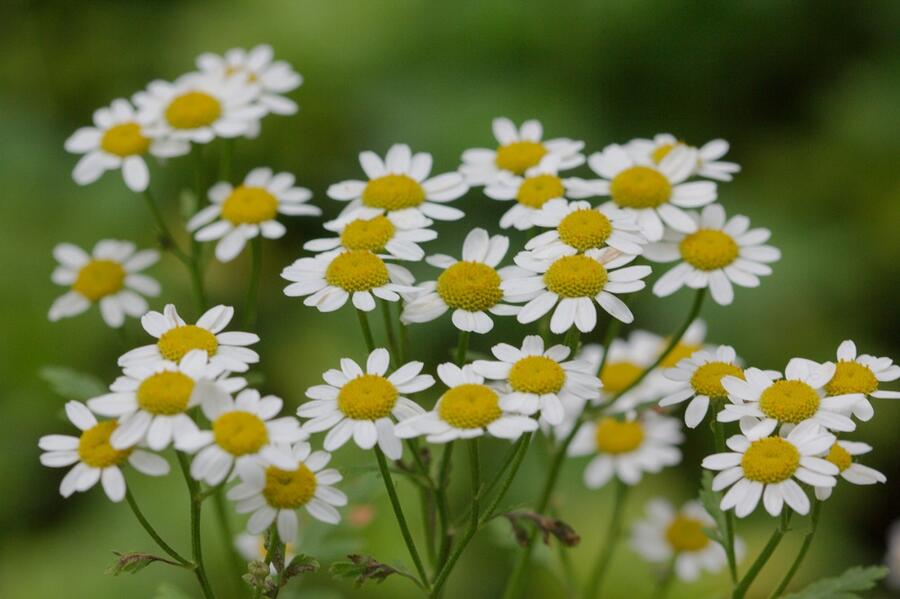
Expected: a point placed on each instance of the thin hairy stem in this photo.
(251, 308)
(366, 329)
(609, 545)
(196, 541)
(804, 548)
(462, 347)
(152, 532)
(719, 430)
(389, 329)
(440, 498)
(741, 589)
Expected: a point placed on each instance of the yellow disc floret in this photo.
(393, 192)
(470, 286)
(707, 379)
(840, 457)
(640, 187)
(535, 191)
(193, 110)
(470, 406)
(94, 448)
(289, 489)
(618, 376)
(686, 534)
(789, 401)
(248, 205)
(367, 397)
(99, 278)
(537, 374)
(851, 377)
(584, 229)
(175, 343)
(575, 276)
(240, 433)
(165, 393)
(770, 460)
(368, 234)
(709, 249)
(519, 156)
(618, 436)
(125, 139)
(357, 270)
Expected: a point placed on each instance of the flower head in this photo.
(861, 375)
(653, 151)
(376, 231)
(699, 379)
(540, 185)
(842, 455)
(578, 227)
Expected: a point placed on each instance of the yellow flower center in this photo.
(851, 377)
(124, 140)
(661, 152)
(372, 234)
(789, 401)
(519, 156)
(575, 276)
(175, 343)
(240, 433)
(535, 191)
(686, 534)
(770, 460)
(678, 353)
(840, 457)
(165, 393)
(618, 376)
(99, 278)
(708, 249)
(470, 286)
(640, 187)
(469, 406)
(289, 489)
(249, 205)
(537, 374)
(707, 379)
(357, 270)
(193, 110)
(615, 436)
(94, 448)
(584, 229)
(367, 397)
(393, 192)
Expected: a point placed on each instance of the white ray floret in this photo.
(842, 455)
(578, 227)
(376, 231)
(539, 185)
(709, 165)
(698, 378)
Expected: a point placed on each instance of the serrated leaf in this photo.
(300, 564)
(858, 578)
(710, 501)
(132, 563)
(68, 383)
(362, 568)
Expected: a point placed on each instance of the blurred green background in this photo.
(807, 93)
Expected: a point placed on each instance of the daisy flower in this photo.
(248, 210)
(275, 494)
(174, 339)
(540, 185)
(94, 458)
(376, 231)
(667, 534)
(360, 404)
(627, 448)
(761, 403)
(199, 108)
(760, 466)
(841, 455)
(272, 78)
(471, 287)
(572, 284)
(152, 401)
(518, 150)
(331, 278)
(655, 194)
(468, 409)
(108, 276)
(120, 140)
(699, 379)
(708, 165)
(578, 227)
(717, 255)
(861, 374)
(540, 380)
(400, 183)
(245, 434)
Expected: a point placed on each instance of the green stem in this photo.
(196, 543)
(152, 532)
(225, 159)
(573, 337)
(389, 329)
(401, 519)
(807, 541)
(404, 335)
(665, 582)
(366, 329)
(741, 589)
(237, 564)
(612, 538)
(250, 308)
(273, 540)
(508, 459)
(440, 498)
(196, 248)
(719, 430)
(518, 457)
(462, 347)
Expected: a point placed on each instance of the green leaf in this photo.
(858, 578)
(132, 563)
(71, 384)
(365, 567)
(710, 501)
(301, 564)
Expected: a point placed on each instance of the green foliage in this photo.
(132, 563)
(69, 383)
(858, 578)
(362, 568)
(710, 500)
